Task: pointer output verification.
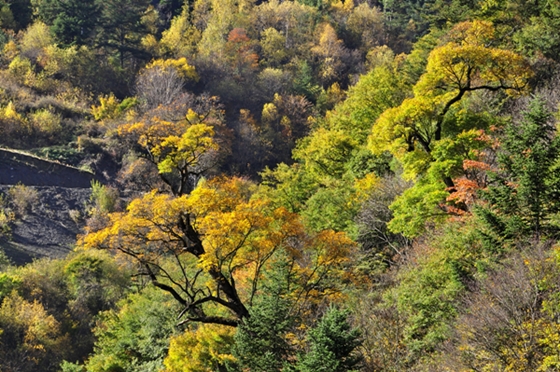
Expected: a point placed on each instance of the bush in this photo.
(104, 198)
(23, 198)
(46, 122)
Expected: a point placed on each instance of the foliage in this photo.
(72, 22)
(122, 29)
(206, 348)
(31, 338)
(463, 65)
(428, 294)
(522, 197)
(103, 198)
(183, 149)
(222, 241)
(111, 108)
(135, 337)
(48, 308)
(331, 345)
(260, 341)
(387, 116)
(23, 198)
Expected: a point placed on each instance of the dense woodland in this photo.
(310, 185)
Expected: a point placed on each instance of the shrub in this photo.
(104, 198)
(46, 122)
(23, 198)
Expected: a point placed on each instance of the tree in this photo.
(162, 81)
(380, 89)
(22, 13)
(183, 148)
(121, 28)
(220, 242)
(135, 336)
(260, 341)
(330, 53)
(6, 16)
(523, 193)
(462, 66)
(72, 22)
(332, 343)
(30, 338)
(201, 348)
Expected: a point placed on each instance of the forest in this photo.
(287, 185)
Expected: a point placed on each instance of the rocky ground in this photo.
(50, 227)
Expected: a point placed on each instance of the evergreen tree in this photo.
(75, 21)
(22, 11)
(525, 192)
(332, 343)
(122, 29)
(260, 343)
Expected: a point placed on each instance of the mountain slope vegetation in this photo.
(296, 185)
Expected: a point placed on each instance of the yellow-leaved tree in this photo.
(434, 132)
(211, 249)
(183, 147)
(463, 65)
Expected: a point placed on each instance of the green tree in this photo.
(260, 341)
(135, 337)
(75, 21)
(464, 65)
(332, 345)
(72, 22)
(6, 16)
(524, 193)
(22, 11)
(121, 29)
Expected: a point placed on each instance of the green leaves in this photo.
(332, 343)
(525, 190)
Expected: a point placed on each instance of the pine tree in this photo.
(260, 344)
(332, 344)
(525, 192)
(75, 21)
(122, 28)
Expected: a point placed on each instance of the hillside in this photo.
(279, 185)
(48, 228)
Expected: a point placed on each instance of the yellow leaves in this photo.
(333, 247)
(186, 150)
(269, 112)
(35, 39)
(10, 50)
(364, 186)
(462, 66)
(181, 66)
(30, 326)
(107, 108)
(474, 33)
(468, 63)
(173, 146)
(241, 237)
(21, 69)
(413, 118)
(200, 350)
(9, 113)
